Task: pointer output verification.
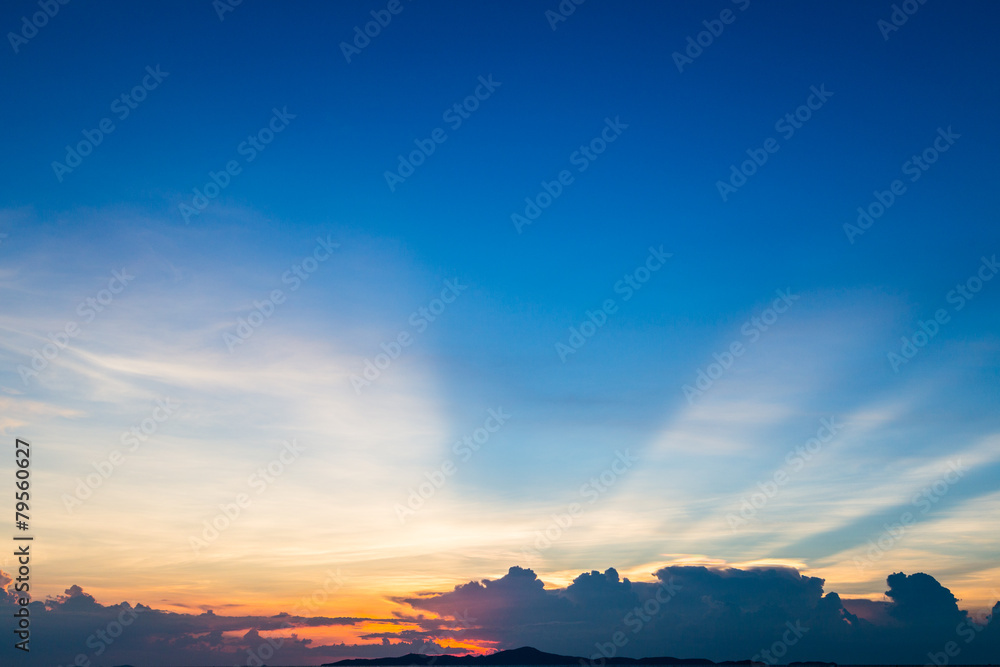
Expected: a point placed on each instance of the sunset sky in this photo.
(246, 304)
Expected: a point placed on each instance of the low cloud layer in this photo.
(721, 614)
(769, 614)
(75, 629)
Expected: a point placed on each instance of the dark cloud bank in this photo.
(722, 614)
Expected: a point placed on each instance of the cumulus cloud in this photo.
(716, 613)
(768, 613)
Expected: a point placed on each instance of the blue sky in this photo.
(321, 181)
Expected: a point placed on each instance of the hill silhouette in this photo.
(526, 655)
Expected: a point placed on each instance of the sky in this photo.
(471, 331)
